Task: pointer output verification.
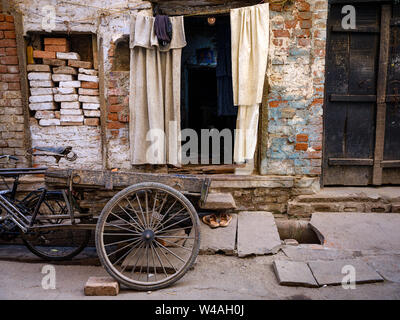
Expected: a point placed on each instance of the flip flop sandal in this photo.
(225, 219)
(211, 221)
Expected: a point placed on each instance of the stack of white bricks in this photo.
(64, 89)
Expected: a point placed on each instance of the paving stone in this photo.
(44, 98)
(85, 77)
(61, 77)
(91, 113)
(257, 234)
(69, 84)
(90, 72)
(41, 91)
(49, 122)
(65, 70)
(71, 118)
(219, 239)
(44, 114)
(92, 121)
(42, 106)
(40, 84)
(358, 231)
(294, 273)
(101, 286)
(37, 68)
(317, 252)
(219, 201)
(64, 90)
(65, 97)
(89, 99)
(91, 106)
(68, 56)
(80, 64)
(388, 266)
(39, 76)
(70, 105)
(88, 92)
(73, 112)
(330, 272)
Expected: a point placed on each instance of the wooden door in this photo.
(355, 120)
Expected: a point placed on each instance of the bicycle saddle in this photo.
(59, 150)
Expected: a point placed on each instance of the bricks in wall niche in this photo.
(56, 49)
(65, 70)
(55, 41)
(54, 62)
(70, 56)
(80, 64)
(37, 68)
(90, 85)
(44, 54)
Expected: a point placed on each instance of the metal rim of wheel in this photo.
(54, 245)
(148, 236)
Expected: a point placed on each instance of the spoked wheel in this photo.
(148, 236)
(56, 244)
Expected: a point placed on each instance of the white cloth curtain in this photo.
(250, 41)
(155, 88)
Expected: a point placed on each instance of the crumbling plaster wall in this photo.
(295, 77)
(296, 86)
(110, 21)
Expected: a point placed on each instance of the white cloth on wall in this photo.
(250, 42)
(155, 89)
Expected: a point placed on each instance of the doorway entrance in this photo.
(362, 95)
(207, 96)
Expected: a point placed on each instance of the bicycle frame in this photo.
(15, 209)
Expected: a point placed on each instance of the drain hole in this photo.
(298, 230)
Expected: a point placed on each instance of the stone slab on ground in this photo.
(358, 231)
(388, 266)
(219, 239)
(219, 201)
(257, 234)
(101, 286)
(330, 272)
(310, 252)
(294, 273)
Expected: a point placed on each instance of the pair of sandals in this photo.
(214, 222)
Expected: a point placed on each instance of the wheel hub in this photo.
(148, 235)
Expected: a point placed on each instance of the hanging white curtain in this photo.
(250, 41)
(155, 88)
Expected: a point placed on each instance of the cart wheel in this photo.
(56, 244)
(148, 236)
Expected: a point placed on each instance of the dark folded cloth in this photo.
(163, 29)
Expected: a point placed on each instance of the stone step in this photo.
(347, 199)
(219, 201)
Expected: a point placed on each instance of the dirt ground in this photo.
(213, 277)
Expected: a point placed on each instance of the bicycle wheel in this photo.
(53, 245)
(148, 236)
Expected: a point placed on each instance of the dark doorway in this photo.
(360, 98)
(203, 90)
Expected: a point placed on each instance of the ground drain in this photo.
(299, 230)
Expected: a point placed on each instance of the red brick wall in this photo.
(11, 112)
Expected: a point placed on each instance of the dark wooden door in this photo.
(357, 72)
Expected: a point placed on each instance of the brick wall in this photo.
(296, 81)
(117, 128)
(11, 111)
